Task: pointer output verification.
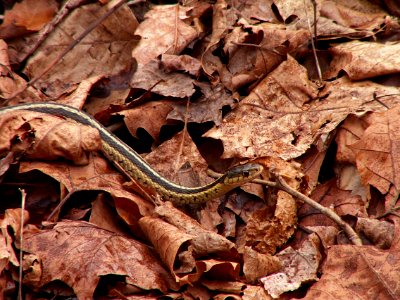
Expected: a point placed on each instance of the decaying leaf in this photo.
(298, 267)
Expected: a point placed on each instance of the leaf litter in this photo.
(197, 86)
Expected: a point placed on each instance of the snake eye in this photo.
(246, 173)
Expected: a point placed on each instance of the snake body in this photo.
(117, 151)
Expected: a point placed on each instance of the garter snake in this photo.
(117, 151)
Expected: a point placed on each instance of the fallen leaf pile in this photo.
(308, 89)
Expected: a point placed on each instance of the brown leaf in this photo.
(362, 272)
(78, 253)
(170, 242)
(329, 195)
(378, 151)
(233, 287)
(207, 108)
(360, 16)
(179, 160)
(104, 216)
(27, 16)
(152, 77)
(348, 133)
(380, 233)
(55, 137)
(361, 60)
(156, 115)
(97, 175)
(164, 30)
(10, 223)
(257, 265)
(257, 10)
(280, 117)
(214, 269)
(102, 52)
(204, 241)
(185, 63)
(265, 235)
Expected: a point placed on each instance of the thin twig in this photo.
(312, 38)
(350, 233)
(180, 151)
(46, 30)
(21, 239)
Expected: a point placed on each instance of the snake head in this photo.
(241, 174)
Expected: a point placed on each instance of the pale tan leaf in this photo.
(298, 267)
(252, 292)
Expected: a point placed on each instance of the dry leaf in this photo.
(156, 115)
(280, 117)
(380, 233)
(54, 137)
(378, 153)
(152, 77)
(264, 234)
(204, 241)
(207, 108)
(257, 265)
(179, 160)
(101, 52)
(358, 272)
(171, 37)
(361, 60)
(298, 267)
(185, 63)
(78, 253)
(329, 195)
(27, 16)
